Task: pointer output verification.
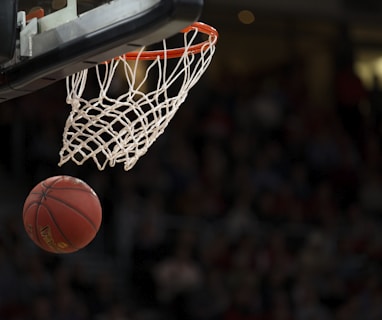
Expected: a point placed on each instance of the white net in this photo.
(111, 130)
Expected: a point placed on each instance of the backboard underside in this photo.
(81, 34)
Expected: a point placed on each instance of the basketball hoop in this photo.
(111, 130)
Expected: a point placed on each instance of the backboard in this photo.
(57, 38)
(8, 14)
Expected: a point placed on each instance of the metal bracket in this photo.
(26, 35)
(59, 17)
(21, 20)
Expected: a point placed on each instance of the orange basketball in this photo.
(62, 214)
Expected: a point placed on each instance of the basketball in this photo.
(62, 214)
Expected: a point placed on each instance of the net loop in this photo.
(112, 128)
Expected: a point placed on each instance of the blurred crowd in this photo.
(256, 204)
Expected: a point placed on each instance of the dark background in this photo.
(262, 199)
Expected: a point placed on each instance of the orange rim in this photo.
(178, 52)
(36, 13)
